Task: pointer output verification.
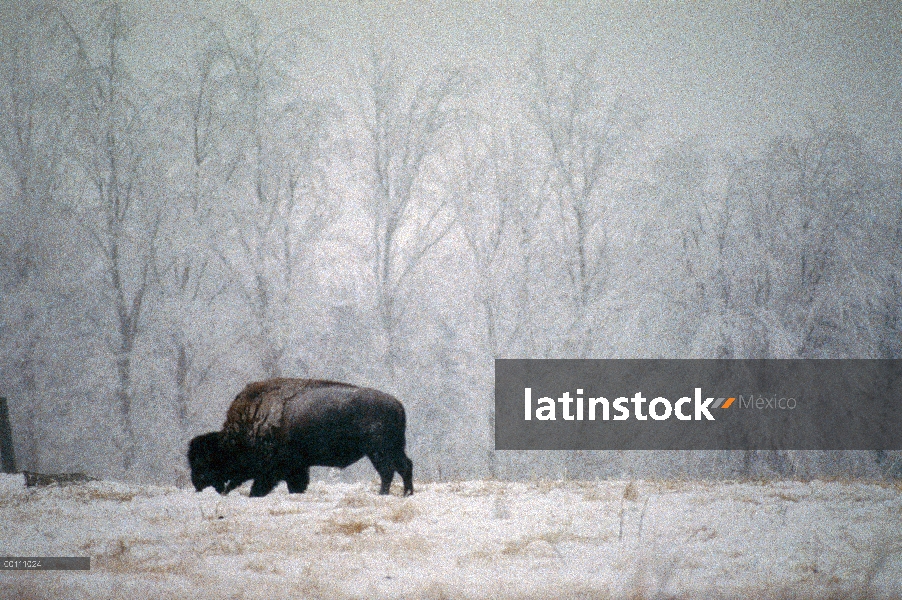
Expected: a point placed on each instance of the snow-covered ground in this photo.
(480, 539)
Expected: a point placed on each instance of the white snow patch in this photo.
(478, 539)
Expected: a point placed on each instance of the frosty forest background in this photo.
(197, 195)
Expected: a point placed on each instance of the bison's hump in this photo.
(257, 412)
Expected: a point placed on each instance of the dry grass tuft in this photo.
(543, 544)
(434, 591)
(547, 485)
(351, 526)
(702, 533)
(631, 492)
(417, 544)
(675, 485)
(536, 548)
(748, 500)
(89, 493)
(598, 493)
(784, 496)
(23, 590)
(263, 567)
(358, 500)
(282, 511)
(112, 558)
(221, 545)
(403, 513)
(162, 566)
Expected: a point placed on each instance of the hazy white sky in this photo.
(728, 72)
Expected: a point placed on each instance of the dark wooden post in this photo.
(6, 439)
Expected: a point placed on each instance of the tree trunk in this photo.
(272, 357)
(30, 397)
(181, 385)
(386, 309)
(6, 439)
(123, 395)
(493, 458)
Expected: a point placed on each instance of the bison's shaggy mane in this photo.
(256, 413)
(259, 387)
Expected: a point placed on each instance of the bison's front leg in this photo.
(298, 481)
(263, 485)
(231, 484)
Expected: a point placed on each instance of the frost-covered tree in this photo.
(406, 123)
(691, 231)
(201, 129)
(499, 201)
(588, 128)
(817, 255)
(791, 257)
(36, 54)
(285, 203)
(119, 212)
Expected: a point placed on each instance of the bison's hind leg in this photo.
(386, 469)
(298, 481)
(405, 469)
(387, 465)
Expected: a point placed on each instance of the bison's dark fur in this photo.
(277, 429)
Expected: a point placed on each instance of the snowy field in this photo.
(481, 539)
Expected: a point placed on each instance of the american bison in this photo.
(277, 429)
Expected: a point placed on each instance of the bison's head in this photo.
(210, 462)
